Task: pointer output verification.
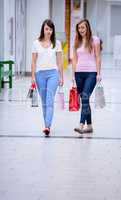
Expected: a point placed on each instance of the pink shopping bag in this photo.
(60, 98)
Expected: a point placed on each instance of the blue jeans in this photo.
(47, 83)
(85, 82)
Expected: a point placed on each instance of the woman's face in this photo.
(47, 31)
(82, 29)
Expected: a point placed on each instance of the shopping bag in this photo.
(34, 102)
(30, 93)
(33, 95)
(60, 98)
(74, 100)
(99, 96)
(31, 89)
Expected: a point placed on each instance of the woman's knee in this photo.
(85, 98)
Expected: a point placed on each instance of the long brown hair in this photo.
(78, 38)
(52, 26)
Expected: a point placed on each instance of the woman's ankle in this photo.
(89, 125)
(81, 125)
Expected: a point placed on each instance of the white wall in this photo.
(114, 0)
(37, 12)
(6, 29)
(91, 13)
(75, 18)
(98, 14)
(9, 35)
(11, 29)
(1, 29)
(102, 17)
(58, 15)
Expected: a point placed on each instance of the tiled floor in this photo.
(64, 166)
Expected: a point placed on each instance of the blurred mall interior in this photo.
(20, 23)
(65, 166)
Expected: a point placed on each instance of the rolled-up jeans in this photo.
(85, 82)
(47, 83)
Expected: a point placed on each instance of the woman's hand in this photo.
(73, 81)
(61, 82)
(33, 79)
(99, 78)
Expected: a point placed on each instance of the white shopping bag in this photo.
(99, 96)
(34, 98)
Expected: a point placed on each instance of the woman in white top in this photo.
(47, 69)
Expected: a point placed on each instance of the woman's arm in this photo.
(98, 60)
(74, 61)
(33, 65)
(60, 66)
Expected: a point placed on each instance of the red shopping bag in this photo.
(74, 101)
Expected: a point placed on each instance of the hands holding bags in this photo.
(74, 99)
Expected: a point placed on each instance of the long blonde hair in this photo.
(78, 37)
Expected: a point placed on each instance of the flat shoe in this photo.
(46, 131)
(88, 130)
(79, 130)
